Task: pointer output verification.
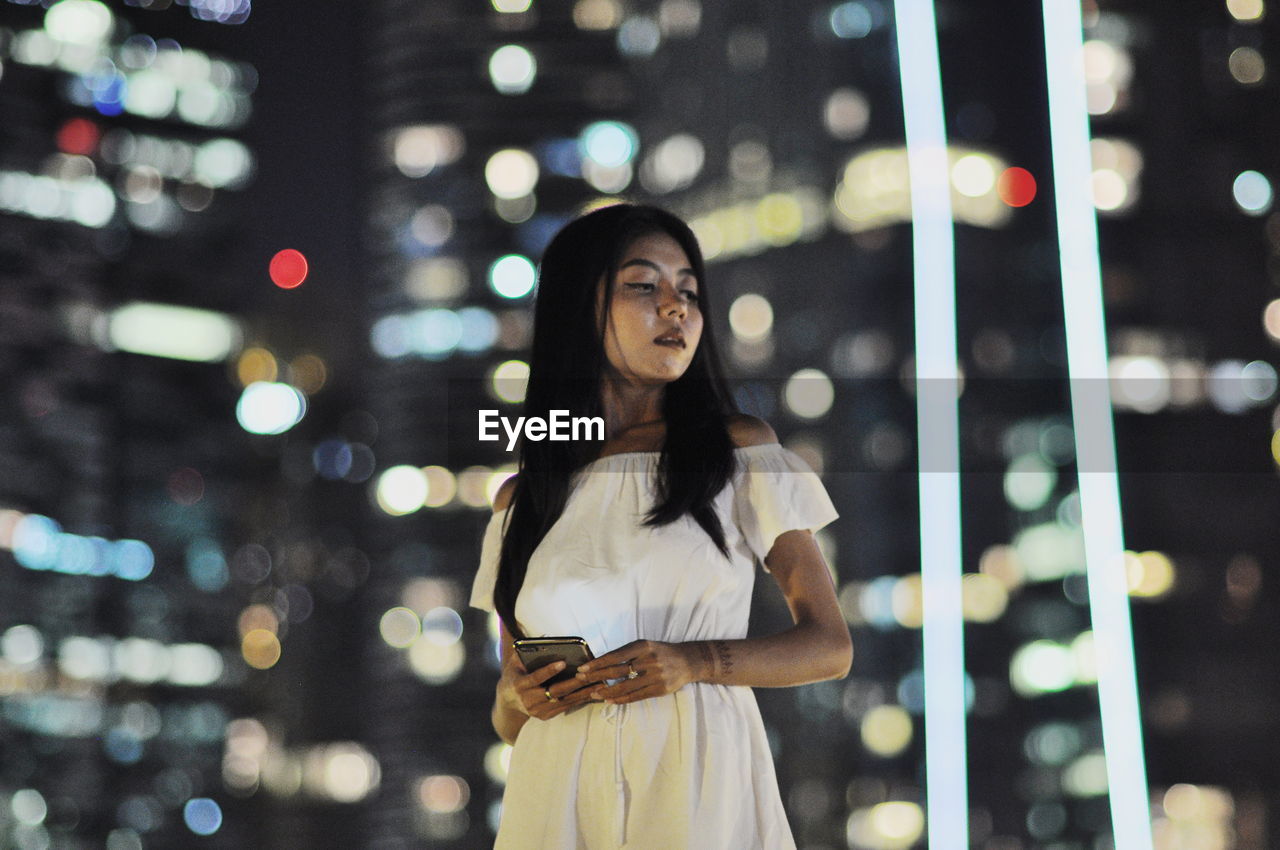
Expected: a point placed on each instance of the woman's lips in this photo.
(669, 341)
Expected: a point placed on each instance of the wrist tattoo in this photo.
(708, 658)
(724, 658)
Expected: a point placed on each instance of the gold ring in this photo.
(550, 698)
(631, 671)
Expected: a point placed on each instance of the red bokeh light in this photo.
(1016, 187)
(288, 268)
(79, 136)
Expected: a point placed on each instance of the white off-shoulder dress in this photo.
(690, 769)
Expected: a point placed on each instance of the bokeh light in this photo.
(86, 23)
(442, 486)
(345, 772)
(419, 149)
(1042, 667)
(809, 393)
(256, 364)
(401, 490)
(476, 487)
(983, 598)
(79, 136)
(29, 806)
(202, 816)
(597, 14)
(1016, 186)
(609, 143)
(510, 380)
(1246, 11)
(442, 625)
(1029, 482)
(497, 761)
(673, 164)
(1140, 383)
(847, 114)
(1252, 192)
(258, 616)
(1150, 574)
(891, 825)
(436, 663)
(886, 730)
(512, 69)
(511, 173)
(431, 226)
(270, 408)
(308, 373)
(512, 276)
(223, 164)
(973, 176)
(751, 317)
(1086, 776)
(1247, 66)
(639, 36)
(22, 645)
(260, 649)
(443, 794)
(400, 627)
(851, 20)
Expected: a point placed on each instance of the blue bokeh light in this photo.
(206, 566)
(202, 816)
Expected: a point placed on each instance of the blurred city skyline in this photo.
(261, 264)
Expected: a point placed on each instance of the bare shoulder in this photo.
(502, 499)
(747, 430)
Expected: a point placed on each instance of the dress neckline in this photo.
(651, 453)
(655, 452)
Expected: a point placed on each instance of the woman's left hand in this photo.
(660, 668)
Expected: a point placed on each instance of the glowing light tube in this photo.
(180, 333)
(946, 769)
(1095, 439)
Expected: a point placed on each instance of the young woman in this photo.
(646, 546)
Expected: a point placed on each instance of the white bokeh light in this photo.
(809, 393)
(270, 408)
(510, 381)
(401, 490)
(512, 69)
(512, 276)
(1252, 192)
(609, 143)
(79, 22)
(511, 173)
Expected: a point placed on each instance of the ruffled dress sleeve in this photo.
(778, 492)
(487, 574)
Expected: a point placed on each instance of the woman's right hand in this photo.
(527, 692)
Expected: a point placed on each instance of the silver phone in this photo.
(539, 652)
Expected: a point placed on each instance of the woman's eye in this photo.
(642, 287)
(690, 294)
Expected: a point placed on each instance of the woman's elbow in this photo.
(839, 655)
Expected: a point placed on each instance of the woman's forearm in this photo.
(507, 720)
(804, 653)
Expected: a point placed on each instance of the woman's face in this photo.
(654, 323)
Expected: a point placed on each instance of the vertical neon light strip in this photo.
(1091, 413)
(946, 768)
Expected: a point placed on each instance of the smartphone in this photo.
(539, 652)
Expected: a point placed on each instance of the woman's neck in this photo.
(627, 406)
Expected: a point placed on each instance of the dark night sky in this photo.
(304, 131)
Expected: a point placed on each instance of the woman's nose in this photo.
(672, 304)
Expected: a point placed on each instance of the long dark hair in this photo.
(566, 369)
